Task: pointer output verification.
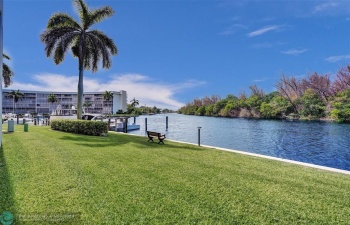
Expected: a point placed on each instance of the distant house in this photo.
(36, 101)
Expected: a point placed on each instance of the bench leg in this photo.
(150, 139)
(160, 141)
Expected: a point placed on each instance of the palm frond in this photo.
(6, 56)
(62, 20)
(96, 51)
(88, 56)
(82, 10)
(58, 55)
(108, 42)
(7, 73)
(54, 36)
(62, 45)
(97, 15)
(67, 40)
(103, 48)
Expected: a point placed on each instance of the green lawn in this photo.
(123, 179)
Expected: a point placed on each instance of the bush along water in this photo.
(315, 97)
(95, 128)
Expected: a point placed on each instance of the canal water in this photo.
(320, 143)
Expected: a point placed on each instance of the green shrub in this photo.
(311, 105)
(95, 128)
(341, 107)
(200, 111)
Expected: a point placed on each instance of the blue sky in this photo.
(171, 52)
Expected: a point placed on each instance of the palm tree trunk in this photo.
(81, 78)
(80, 91)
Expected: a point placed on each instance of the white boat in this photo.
(116, 124)
(9, 116)
(119, 126)
(60, 113)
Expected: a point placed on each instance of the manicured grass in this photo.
(122, 179)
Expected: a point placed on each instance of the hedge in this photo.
(88, 127)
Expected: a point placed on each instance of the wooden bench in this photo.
(152, 134)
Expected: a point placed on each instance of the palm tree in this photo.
(89, 46)
(51, 98)
(134, 102)
(107, 96)
(16, 95)
(87, 105)
(7, 73)
(133, 105)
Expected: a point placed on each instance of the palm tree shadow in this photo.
(6, 197)
(114, 139)
(110, 141)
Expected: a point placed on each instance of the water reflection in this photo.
(321, 143)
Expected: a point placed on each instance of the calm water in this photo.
(321, 143)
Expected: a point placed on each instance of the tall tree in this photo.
(51, 98)
(107, 96)
(290, 88)
(7, 73)
(321, 84)
(133, 105)
(257, 91)
(342, 81)
(16, 96)
(134, 102)
(89, 46)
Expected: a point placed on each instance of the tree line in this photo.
(316, 96)
(144, 110)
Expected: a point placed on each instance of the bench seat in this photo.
(153, 134)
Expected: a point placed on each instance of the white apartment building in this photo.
(37, 102)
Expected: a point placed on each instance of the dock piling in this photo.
(199, 136)
(145, 124)
(166, 122)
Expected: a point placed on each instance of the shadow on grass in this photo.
(114, 139)
(6, 190)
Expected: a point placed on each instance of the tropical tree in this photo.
(87, 105)
(51, 98)
(311, 104)
(7, 73)
(89, 46)
(341, 106)
(134, 102)
(133, 105)
(291, 89)
(342, 81)
(107, 96)
(16, 96)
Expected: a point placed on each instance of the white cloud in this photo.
(232, 29)
(331, 8)
(326, 6)
(260, 80)
(263, 30)
(267, 45)
(337, 58)
(294, 51)
(143, 88)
